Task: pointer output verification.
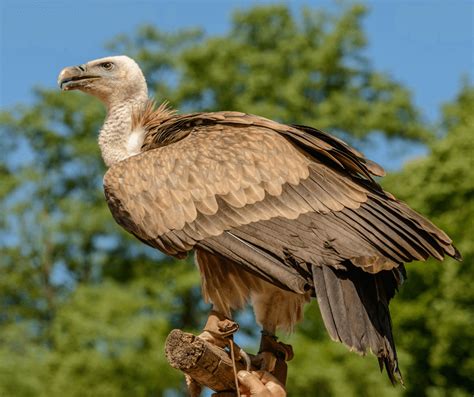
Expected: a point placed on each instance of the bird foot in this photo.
(269, 343)
(272, 356)
(264, 361)
(219, 330)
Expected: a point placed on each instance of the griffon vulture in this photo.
(276, 214)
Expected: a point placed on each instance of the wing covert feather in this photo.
(180, 183)
(226, 170)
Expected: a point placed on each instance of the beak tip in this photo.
(60, 79)
(64, 76)
(62, 86)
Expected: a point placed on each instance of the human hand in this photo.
(260, 384)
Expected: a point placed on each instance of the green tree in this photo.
(84, 307)
(66, 265)
(306, 69)
(433, 314)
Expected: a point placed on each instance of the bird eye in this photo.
(107, 65)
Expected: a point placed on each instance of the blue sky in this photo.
(425, 44)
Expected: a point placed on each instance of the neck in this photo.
(115, 134)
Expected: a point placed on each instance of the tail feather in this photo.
(354, 308)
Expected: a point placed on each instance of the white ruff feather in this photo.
(135, 141)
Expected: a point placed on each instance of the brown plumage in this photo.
(292, 205)
(277, 214)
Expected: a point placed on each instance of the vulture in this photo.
(276, 214)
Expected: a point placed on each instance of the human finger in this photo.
(253, 384)
(273, 385)
(266, 377)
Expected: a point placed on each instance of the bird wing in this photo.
(229, 170)
(219, 176)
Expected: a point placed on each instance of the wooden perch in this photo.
(208, 364)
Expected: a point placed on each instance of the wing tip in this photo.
(393, 371)
(457, 255)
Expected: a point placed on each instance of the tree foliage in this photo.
(306, 69)
(84, 308)
(433, 315)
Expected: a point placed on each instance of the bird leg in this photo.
(273, 355)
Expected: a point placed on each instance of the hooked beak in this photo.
(73, 77)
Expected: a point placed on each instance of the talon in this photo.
(220, 326)
(212, 338)
(269, 343)
(227, 327)
(286, 350)
(265, 361)
(219, 331)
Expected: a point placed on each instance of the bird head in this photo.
(111, 79)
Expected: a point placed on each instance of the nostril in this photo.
(81, 68)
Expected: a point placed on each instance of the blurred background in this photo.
(85, 308)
